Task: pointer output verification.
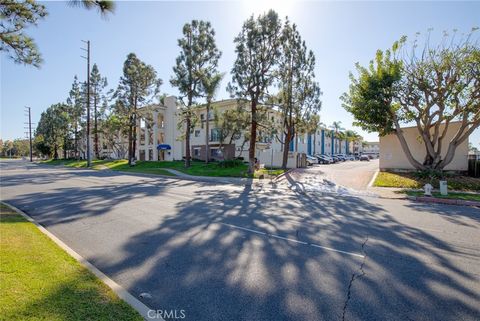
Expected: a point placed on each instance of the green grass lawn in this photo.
(39, 281)
(411, 180)
(197, 168)
(458, 196)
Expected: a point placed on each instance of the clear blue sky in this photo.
(340, 34)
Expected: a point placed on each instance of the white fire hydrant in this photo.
(428, 189)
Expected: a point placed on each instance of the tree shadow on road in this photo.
(210, 260)
(249, 254)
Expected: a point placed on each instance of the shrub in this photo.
(230, 163)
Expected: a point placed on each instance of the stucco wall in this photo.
(393, 157)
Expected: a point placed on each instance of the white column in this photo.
(155, 136)
(137, 150)
(147, 141)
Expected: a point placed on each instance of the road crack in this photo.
(355, 276)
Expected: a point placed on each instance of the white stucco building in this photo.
(393, 157)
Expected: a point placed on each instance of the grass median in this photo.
(453, 195)
(197, 168)
(39, 281)
(413, 180)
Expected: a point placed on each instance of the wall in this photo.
(172, 132)
(393, 157)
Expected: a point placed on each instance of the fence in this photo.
(474, 167)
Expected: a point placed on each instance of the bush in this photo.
(230, 163)
(431, 174)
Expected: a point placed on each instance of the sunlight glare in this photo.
(256, 7)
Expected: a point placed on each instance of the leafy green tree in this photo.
(16, 16)
(75, 102)
(258, 49)
(113, 130)
(21, 147)
(210, 87)
(233, 125)
(98, 84)
(53, 126)
(299, 96)
(7, 148)
(138, 86)
(197, 63)
(40, 146)
(431, 89)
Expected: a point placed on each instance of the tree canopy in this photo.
(258, 48)
(429, 87)
(195, 66)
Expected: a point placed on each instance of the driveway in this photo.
(353, 175)
(224, 252)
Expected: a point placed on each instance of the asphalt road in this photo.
(222, 252)
(351, 174)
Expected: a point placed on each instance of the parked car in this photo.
(311, 160)
(324, 159)
(364, 158)
(350, 157)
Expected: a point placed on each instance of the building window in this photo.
(215, 135)
(196, 152)
(197, 133)
(215, 152)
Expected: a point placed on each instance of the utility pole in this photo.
(29, 110)
(89, 159)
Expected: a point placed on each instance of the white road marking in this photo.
(292, 240)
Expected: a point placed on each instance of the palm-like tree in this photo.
(350, 136)
(313, 125)
(337, 127)
(210, 85)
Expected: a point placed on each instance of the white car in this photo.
(311, 160)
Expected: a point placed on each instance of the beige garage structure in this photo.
(392, 156)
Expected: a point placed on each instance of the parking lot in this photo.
(353, 175)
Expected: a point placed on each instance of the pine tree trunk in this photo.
(207, 132)
(77, 154)
(97, 153)
(286, 148)
(253, 139)
(187, 142)
(130, 141)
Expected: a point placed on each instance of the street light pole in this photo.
(89, 160)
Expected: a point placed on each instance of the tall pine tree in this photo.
(258, 49)
(198, 60)
(138, 86)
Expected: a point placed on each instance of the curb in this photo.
(283, 174)
(123, 294)
(370, 184)
(436, 200)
